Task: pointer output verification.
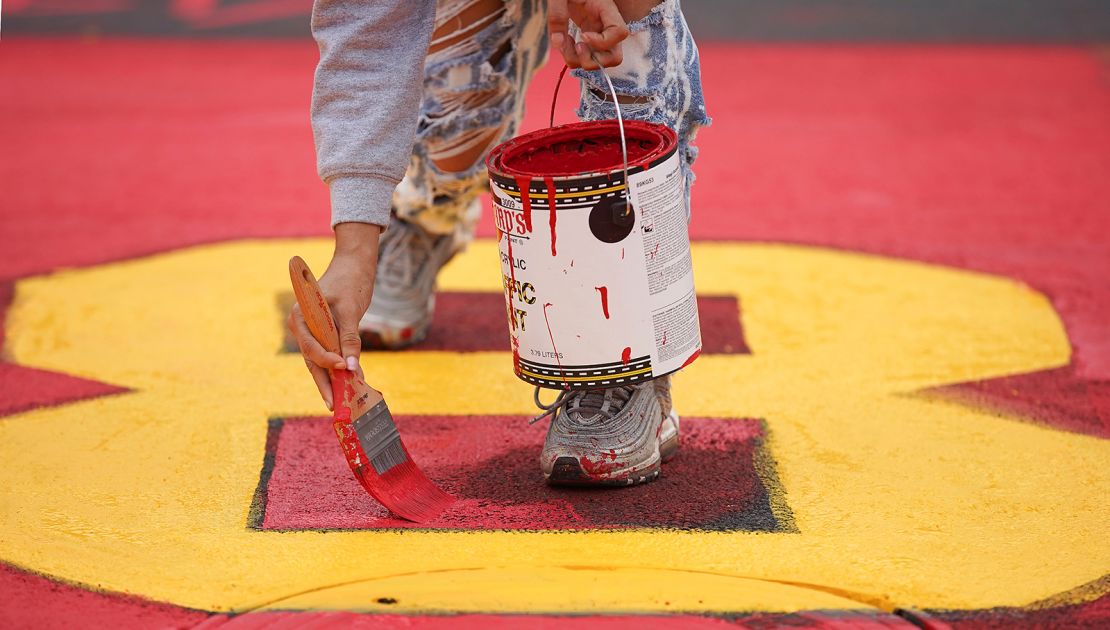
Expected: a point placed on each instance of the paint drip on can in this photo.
(583, 314)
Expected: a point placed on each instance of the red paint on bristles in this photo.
(404, 489)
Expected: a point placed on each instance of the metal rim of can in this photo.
(664, 139)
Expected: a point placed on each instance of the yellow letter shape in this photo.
(899, 500)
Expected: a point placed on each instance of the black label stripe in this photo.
(559, 384)
(584, 366)
(605, 372)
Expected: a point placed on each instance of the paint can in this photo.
(597, 275)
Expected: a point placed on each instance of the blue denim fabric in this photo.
(471, 88)
(661, 71)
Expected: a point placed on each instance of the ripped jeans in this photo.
(475, 76)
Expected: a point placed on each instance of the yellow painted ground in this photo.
(899, 501)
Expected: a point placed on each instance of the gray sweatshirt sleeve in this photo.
(366, 99)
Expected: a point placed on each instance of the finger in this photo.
(323, 383)
(350, 343)
(613, 29)
(310, 348)
(570, 55)
(557, 19)
(585, 56)
(608, 58)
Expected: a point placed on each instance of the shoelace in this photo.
(588, 399)
(404, 255)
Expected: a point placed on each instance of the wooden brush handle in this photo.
(314, 307)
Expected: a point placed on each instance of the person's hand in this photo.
(603, 30)
(348, 285)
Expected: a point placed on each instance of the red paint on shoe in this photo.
(600, 469)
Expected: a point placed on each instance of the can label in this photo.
(597, 296)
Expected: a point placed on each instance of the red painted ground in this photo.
(23, 388)
(499, 486)
(1053, 397)
(988, 158)
(32, 601)
(991, 158)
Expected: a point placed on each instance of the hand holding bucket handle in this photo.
(620, 123)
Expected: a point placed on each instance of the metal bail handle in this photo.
(620, 123)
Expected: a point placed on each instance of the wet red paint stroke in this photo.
(626, 355)
(550, 184)
(722, 450)
(523, 182)
(555, 350)
(691, 358)
(516, 354)
(512, 281)
(604, 291)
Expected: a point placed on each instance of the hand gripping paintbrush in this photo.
(371, 443)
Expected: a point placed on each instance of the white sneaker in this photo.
(617, 436)
(409, 259)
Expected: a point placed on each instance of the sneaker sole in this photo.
(568, 471)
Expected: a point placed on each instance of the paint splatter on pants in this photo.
(477, 71)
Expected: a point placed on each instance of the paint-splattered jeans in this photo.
(473, 97)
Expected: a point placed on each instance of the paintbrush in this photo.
(371, 442)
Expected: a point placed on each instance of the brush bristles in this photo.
(407, 491)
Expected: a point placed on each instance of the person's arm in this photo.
(366, 99)
(365, 103)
